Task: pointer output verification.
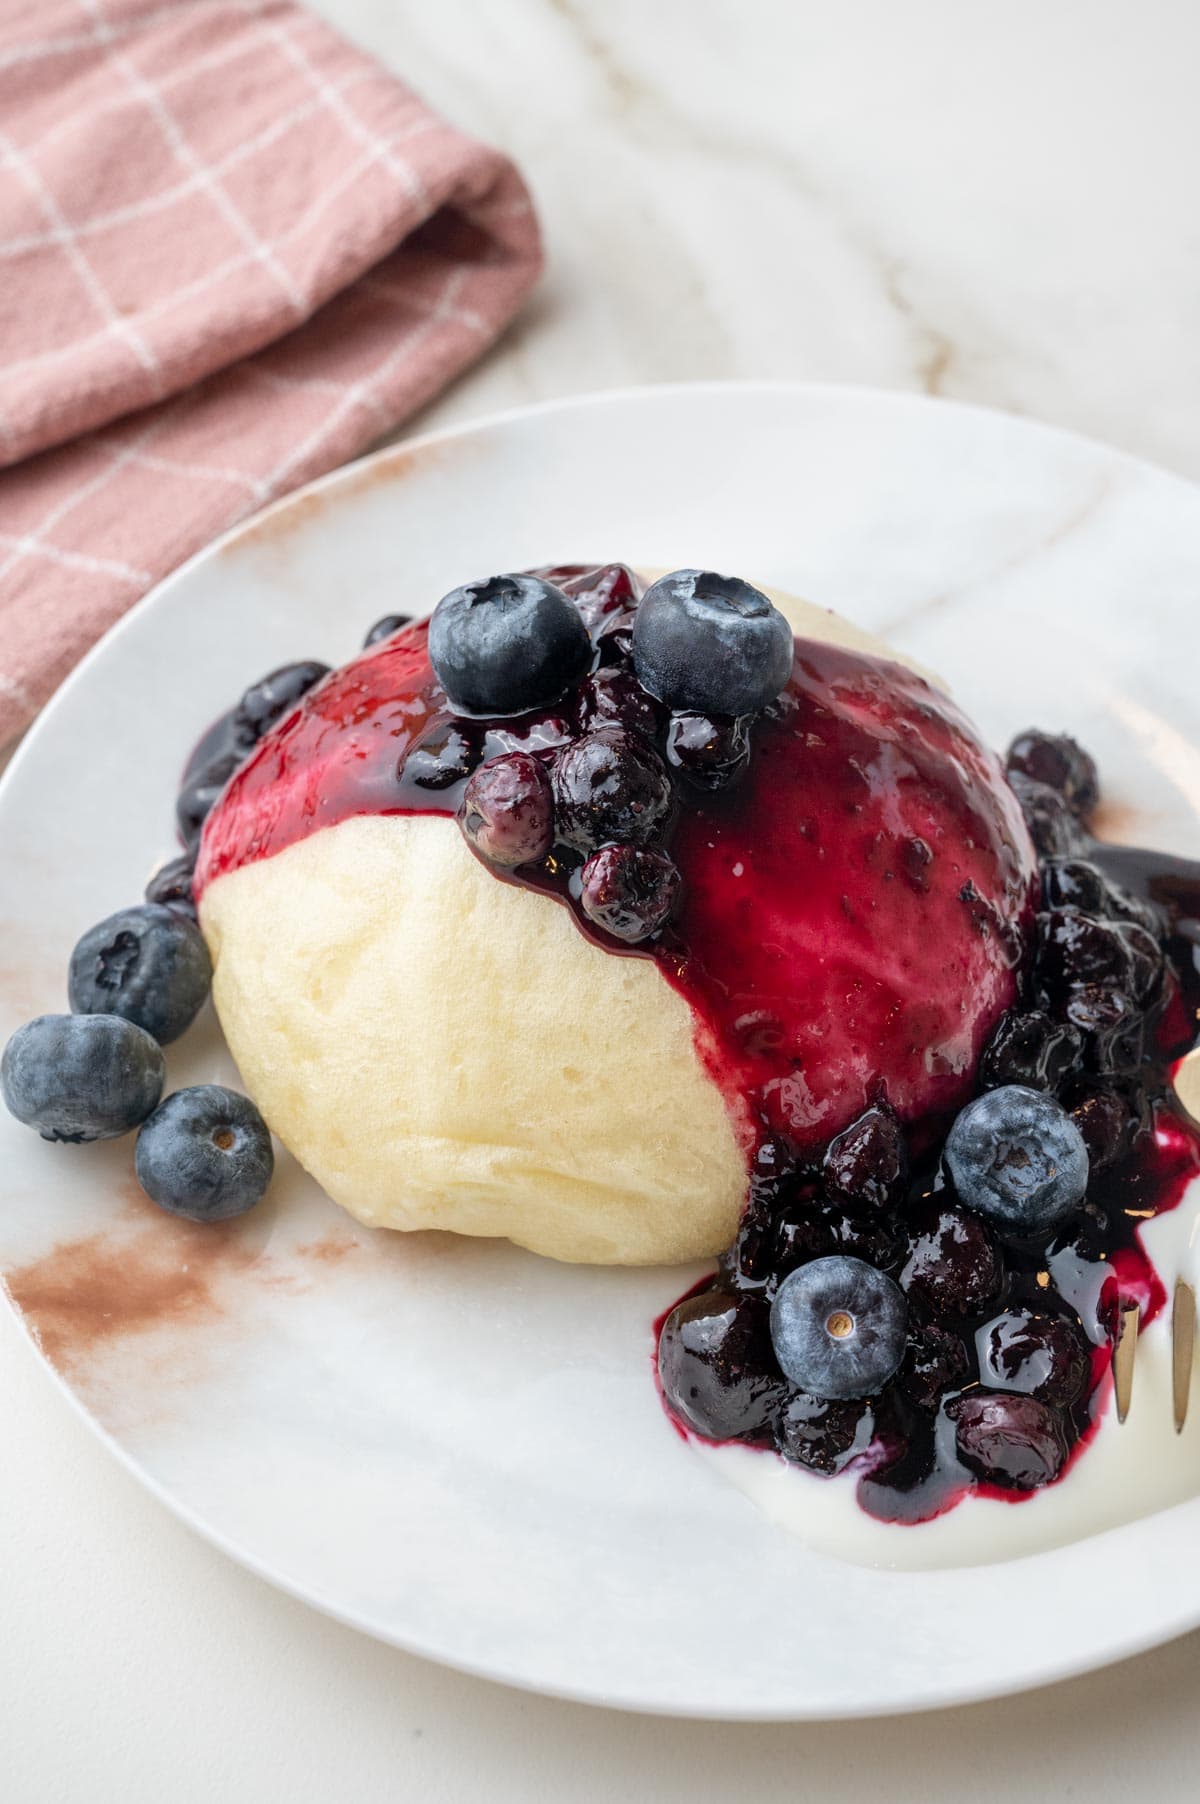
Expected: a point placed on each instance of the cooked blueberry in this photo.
(205, 1153)
(229, 736)
(629, 891)
(612, 696)
(1074, 883)
(750, 1259)
(712, 754)
(935, 1361)
(507, 810)
(709, 644)
(1146, 961)
(823, 1435)
(81, 1077)
(1123, 905)
(199, 794)
(1017, 1157)
(1074, 948)
(808, 1230)
(867, 1164)
(1011, 1441)
(446, 755)
(506, 645)
(1059, 763)
(716, 1367)
(1104, 1118)
(171, 885)
(1030, 1049)
(147, 964)
(916, 856)
(1112, 1026)
(1041, 1355)
(952, 1266)
(1053, 829)
(610, 786)
(275, 695)
(603, 596)
(774, 1164)
(838, 1327)
(383, 629)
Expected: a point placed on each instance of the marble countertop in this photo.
(991, 204)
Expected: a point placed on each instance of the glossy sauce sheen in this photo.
(853, 910)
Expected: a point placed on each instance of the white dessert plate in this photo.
(456, 1446)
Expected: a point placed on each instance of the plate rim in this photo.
(948, 1695)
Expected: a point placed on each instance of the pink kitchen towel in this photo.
(233, 252)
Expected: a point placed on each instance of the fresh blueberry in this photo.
(81, 1077)
(147, 964)
(838, 1328)
(713, 754)
(610, 786)
(709, 644)
(1041, 1355)
(276, 694)
(205, 1153)
(507, 811)
(383, 629)
(867, 1164)
(1030, 1049)
(629, 891)
(171, 885)
(1011, 1441)
(506, 645)
(1018, 1158)
(1059, 763)
(952, 1266)
(1053, 828)
(716, 1367)
(823, 1435)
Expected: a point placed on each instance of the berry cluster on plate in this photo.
(945, 1324)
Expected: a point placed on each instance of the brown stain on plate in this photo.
(1120, 823)
(126, 1280)
(280, 526)
(146, 1272)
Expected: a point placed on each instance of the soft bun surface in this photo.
(442, 1049)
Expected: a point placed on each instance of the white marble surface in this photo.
(991, 203)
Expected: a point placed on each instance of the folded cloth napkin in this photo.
(233, 251)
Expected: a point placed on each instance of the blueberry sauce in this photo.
(999, 1327)
(854, 900)
(870, 926)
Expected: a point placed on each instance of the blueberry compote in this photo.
(1006, 1368)
(870, 926)
(841, 886)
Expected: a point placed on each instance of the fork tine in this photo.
(1183, 1345)
(1124, 1354)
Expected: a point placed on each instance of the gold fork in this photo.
(1183, 1303)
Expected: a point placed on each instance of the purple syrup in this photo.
(852, 908)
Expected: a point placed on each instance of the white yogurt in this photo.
(1125, 1472)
